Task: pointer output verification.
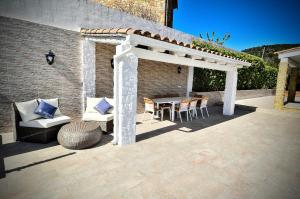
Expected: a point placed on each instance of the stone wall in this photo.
(154, 78)
(153, 10)
(25, 74)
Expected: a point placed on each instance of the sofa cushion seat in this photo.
(46, 123)
(97, 117)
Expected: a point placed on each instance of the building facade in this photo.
(30, 29)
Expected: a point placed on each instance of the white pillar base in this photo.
(230, 92)
(126, 99)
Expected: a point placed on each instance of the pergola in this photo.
(132, 44)
(289, 64)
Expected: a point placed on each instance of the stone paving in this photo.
(251, 155)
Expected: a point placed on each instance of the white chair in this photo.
(150, 107)
(203, 105)
(165, 107)
(193, 108)
(183, 107)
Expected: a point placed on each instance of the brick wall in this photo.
(154, 78)
(25, 74)
(153, 10)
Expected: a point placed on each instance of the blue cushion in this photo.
(45, 110)
(103, 106)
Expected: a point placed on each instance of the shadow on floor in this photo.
(17, 148)
(216, 117)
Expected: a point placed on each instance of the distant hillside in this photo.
(269, 54)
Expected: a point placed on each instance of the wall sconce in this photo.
(50, 57)
(179, 69)
(112, 63)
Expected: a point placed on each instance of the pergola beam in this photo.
(163, 57)
(140, 40)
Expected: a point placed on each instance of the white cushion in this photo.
(46, 123)
(97, 117)
(53, 102)
(26, 110)
(111, 102)
(91, 103)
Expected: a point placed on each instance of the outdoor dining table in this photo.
(170, 100)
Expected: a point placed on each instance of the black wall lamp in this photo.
(179, 69)
(112, 63)
(50, 57)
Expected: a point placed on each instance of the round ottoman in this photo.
(79, 135)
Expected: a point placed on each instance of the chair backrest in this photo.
(149, 104)
(184, 105)
(204, 101)
(193, 103)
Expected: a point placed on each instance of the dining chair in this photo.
(203, 105)
(183, 107)
(164, 106)
(150, 107)
(193, 108)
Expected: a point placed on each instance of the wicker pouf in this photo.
(79, 135)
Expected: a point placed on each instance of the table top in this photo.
(170, 99)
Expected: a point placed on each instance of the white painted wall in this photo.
(74, 14)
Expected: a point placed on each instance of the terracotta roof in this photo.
(130, 31)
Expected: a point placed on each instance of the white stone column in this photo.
(126, 99)
(190, 79)
(230, 92)
(89, 69)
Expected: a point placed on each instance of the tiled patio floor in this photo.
(253, 155)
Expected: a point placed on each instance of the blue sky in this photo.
(250, 23)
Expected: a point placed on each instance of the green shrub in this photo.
(257, 76)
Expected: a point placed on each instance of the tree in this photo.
(217, 40)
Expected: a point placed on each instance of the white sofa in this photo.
(91, 114)
(30, 127)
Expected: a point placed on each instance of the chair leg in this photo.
(187, 116)
(180, 116)
(162, 115)
(207, 112)
(202, 113)
(189, 112)
(144, 116)
(196, 113)
(170, 113)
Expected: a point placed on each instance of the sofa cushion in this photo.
(97, 117)
(45, 110)
(26, 110)
(111, 102)
(46, 123)
(91, 103)
(103, 106)
(53, 102)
